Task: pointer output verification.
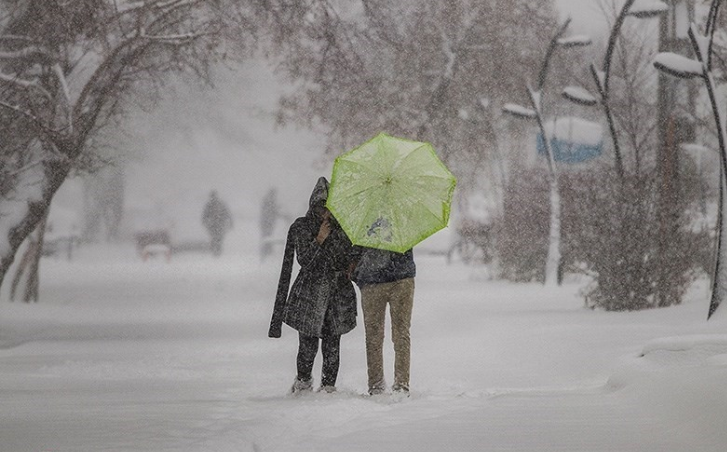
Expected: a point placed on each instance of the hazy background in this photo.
(224, 137)
(201, 138)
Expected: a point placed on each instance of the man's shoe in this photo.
(401, 389)
(327, 388)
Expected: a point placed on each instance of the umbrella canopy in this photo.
(390, 193)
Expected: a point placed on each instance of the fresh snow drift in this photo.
(124, 355)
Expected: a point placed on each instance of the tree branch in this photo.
(66, 96)
(45, 130)
(107, 90)
(25, 52)
(143, 6)
(23, 169)
(23, 83)
(166, 8)
(18, 38)
(387, 34)
(174, 39)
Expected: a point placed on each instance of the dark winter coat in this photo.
(380, 266)
(322, 300)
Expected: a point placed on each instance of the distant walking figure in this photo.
(269, 213)
(217, 219)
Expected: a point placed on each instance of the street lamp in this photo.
(535, 111)
(701, 67)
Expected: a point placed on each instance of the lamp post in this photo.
(701, 67)
(643, 10)
(535, 95)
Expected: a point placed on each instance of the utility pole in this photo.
(675, 110)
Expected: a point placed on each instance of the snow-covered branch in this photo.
(20, 111)
(23, 83)
(66, 95)
(26, 52)
(574, 41)
(137, 10)
(17, 38)
(23, 169)
(173, 39)
(519, 111)
(451, 56)
(536, 96)
(647, 9)
(49, 133)
(132, 7)
(579, 95)
(678, 65)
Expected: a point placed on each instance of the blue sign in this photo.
(573, 140)
(568, 152)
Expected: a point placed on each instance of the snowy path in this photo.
(127, 356)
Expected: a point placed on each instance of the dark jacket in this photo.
(322, 300)
(380, 266)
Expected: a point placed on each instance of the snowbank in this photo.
(173, 356)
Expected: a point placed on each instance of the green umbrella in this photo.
(390, 193)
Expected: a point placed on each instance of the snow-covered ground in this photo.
(124, 355)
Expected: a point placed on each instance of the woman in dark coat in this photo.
(321, 305)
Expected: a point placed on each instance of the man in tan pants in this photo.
(387, 278)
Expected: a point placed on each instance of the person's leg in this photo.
(373, 304)
(307, 350)
(217, 244)
(331, 348)
(401, 304)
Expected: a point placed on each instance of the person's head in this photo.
(317, 202)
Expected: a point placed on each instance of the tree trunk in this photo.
(552, 264)
(30, 264)
(22, 265)
(48, 178)
(33, 282)
(719, 282)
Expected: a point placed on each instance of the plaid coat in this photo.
(322, 300)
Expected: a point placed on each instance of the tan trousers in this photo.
(399, 295)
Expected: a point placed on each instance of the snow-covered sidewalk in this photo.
(122, 355)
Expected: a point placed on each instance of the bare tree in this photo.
(412, 68)
(69, 69)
